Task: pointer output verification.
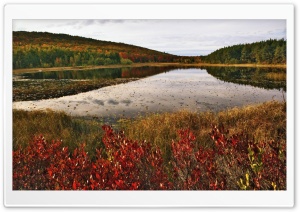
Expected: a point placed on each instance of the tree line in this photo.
(43, 50)
(271, 51)
(34, 56)
(40, 49)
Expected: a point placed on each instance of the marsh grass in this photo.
(56, 126)
(260, 122)
(260, 133)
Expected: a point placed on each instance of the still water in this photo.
(168, 90)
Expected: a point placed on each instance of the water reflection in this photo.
(93, 74)
(268, 78)
(193, 89)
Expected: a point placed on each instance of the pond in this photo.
(167, 90)
(93, 74)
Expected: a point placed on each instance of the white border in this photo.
(146, 198)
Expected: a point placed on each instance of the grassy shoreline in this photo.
(29, 70)
(262, 121)
(182, 150)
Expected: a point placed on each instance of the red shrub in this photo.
(124, 164)
(128, 165)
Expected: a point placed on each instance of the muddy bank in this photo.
(30, 90)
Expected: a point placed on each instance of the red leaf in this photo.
(97, 176)
(120, 183)
(135, 186)
(74, 185)
(50, 172)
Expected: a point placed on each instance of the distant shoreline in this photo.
(29, 70)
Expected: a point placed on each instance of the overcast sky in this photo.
(180, 37)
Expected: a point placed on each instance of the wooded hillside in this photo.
(263, 52)
(42, 49)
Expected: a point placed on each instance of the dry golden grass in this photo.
(265, 121)
(260, 122)
(56, 126)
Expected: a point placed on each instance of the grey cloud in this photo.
(107, 21)
(188, 52)
(88, 22)
(184, 37)
(68, 23)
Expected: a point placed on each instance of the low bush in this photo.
(233, 162)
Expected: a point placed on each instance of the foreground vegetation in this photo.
(72, 132)
(240, 148)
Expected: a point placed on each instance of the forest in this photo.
(45, 50)
(271, 51)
